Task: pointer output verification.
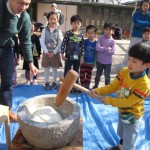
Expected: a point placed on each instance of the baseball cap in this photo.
(54, 4)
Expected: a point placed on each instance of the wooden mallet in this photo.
(67, 84)
(70, 78)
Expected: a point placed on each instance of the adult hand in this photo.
(33, 69)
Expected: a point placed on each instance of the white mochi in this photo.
(46, 114)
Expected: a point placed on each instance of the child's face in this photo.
(108, 32)
(90, 34)
(76, 25)
(53, 20)
(136, 66)
(146, 36)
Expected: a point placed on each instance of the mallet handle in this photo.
(83, 89)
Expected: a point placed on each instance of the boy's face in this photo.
(90, 34)
(146, 36)
(108, 32)
(136, 66)
(76, 25)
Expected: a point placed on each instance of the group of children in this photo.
(131, 83)
(77, 53)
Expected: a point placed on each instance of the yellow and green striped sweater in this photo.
(131, 92)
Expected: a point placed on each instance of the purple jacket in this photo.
(104, 55)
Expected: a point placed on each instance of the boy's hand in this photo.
(103, 100)
(109, 48)
(91, 94)
(81, 61)
(63, 57)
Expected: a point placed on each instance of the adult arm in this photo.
(140, 22)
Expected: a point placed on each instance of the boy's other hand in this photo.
(63, 57)
(91, 94)
(81, 61)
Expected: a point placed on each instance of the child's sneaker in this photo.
(27, 82)
(47, 86)
(54, 85)
(34, 82)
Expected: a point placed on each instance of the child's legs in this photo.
(107, 70)
(68, 64)
(128, 132)
(76, 65)
(89, 69)
(98, 73)
(46, 74)
(35, 77)
(27, 74)
(54, 74)
(83, 74)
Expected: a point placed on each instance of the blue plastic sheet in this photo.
(99, 120)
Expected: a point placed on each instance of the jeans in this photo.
(6, 72)
(69, 64)
(100, 68)
(128, 132)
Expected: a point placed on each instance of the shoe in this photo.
(47, 86)
(34, 82)
(14, 84)
(27, 82)
(13, 117)
(54, 85)
(115, 148)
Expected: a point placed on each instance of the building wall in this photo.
(98, 15)
(95, 14)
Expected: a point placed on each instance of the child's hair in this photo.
(147, 29)
(51, 13)
(141, 51)
(108, 25)
(91, 27)
(45, 14)
(76, 18)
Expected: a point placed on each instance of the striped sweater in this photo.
(131, 92)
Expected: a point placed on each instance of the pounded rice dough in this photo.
(46, 114)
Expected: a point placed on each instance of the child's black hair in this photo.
(141, 51)
(147, 29)
(91, 27)
(51, 13)
(76, 18)
(108, 25)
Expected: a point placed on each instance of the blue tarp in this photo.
(99, 120)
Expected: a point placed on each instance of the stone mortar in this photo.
(45, 135)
